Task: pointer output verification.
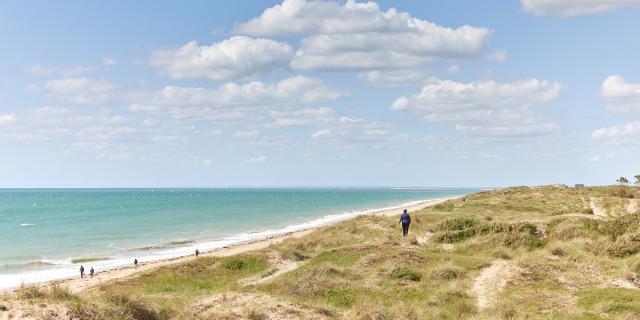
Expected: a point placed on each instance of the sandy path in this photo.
(633, 206)
(279, 264)
(76, 284)
(597, 210)
(491, 281)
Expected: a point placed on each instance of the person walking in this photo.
(91, 272)
(405, 220)
(81, 271)
(135, 263)
(197, 253)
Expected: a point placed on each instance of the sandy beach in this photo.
(77, 284)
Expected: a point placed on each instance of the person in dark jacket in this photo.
(81, 271)
(197, 253)
(135, 263)
(91, 272)
(405, 220)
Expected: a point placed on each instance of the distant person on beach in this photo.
(197, 253)
(91, 272)
(405, 220)
(135, 262)
(81, 271)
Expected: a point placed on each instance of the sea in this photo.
(46, 234)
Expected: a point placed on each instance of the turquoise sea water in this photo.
(42, 232)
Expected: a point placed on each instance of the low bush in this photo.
(406, 274)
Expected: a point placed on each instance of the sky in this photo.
(461, 93)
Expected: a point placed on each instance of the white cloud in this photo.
(80, 90)
(400, 103)
(232, 99)
(499, 56)
(601, 157)
(573, 7)
(42, 71)
(485, 108)
(618, 134)
(7, 119)
(392, 77)
(621, 95)
(258, 159)
(236, 57)
(361, 36)
(250, 134)
(301, 117)
(108, 61)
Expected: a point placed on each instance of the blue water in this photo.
(43, 231)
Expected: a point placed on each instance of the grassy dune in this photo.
(546, 252)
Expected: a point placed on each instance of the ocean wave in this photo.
(168, 245)
(27, 224)
(88, 259)
(36, 264)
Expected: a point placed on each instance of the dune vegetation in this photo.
(549, 252)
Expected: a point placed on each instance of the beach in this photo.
(77, 284)
(107, 228)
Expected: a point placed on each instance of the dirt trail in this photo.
(597, 210)
(279, 264)
(491, 281)
(632, 207)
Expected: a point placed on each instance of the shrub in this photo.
(406, 274)
(622, 249)
(457, 224)
(558, 252)
(447, 273)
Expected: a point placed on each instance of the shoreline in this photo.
(76, 284)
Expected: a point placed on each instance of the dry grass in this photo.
(565, 264)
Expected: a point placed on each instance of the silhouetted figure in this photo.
(81, 271)
(135, 263)
(91, 272)
(405, 220)
(197, 253)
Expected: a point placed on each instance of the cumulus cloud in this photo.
(232, 100)
(357, 35)
(236, 57)
(80, 90)
(486, 107)
(621, 95)
(621, 134)
(574, 7)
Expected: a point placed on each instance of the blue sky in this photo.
(318, 93)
